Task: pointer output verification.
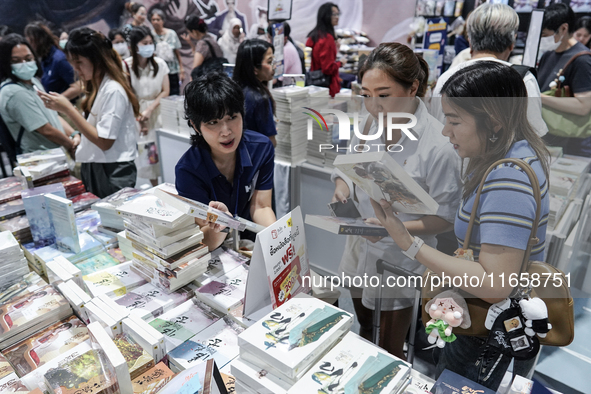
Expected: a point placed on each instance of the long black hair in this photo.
(7, 43)
(250, 56)
(42, 38)
(135, 36)
(193, 22)
(323, 22)
(494, 94)
(211, 96)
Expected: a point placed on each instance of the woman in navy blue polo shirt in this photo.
(227, 167)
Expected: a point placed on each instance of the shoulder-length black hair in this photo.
(494, 94)
(193, 22)
(7, 43)
(42, 38)
(211, 96)
(323, 22)
(135, 36)
(250, 56)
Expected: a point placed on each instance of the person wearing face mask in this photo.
(254, 69)
(58, 74)
(138, 13)
(149, 80)
(32, 126)
(227, 166)
(107, 123)
(557, 36)
(119, 43)
(63, 39)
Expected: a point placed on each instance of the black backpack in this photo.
(11, 147)
(213, 64)
(522, 70)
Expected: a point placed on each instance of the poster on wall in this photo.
(278, 265)
(278, 44)
(279, 10)
(435, 38)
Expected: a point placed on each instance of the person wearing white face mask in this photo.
(149, 80)
(557, 36)
(32, 126)
(119, 44)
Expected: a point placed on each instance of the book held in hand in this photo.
(381, 177)
(346, 226)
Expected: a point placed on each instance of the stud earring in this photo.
(493, 138)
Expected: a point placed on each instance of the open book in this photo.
(381, 177)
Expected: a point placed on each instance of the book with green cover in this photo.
(96, 263)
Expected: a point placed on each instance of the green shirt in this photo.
(20, 106)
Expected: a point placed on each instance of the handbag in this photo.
(318, 78)
(212, 64)
(555, 293)
(560, 123)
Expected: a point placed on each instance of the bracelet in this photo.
(74, 134)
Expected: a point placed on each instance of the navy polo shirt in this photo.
(198, 178)
(58, 74)
(254, 108)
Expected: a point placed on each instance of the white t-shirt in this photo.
(147, 86)
(534, 102)
(112, 115)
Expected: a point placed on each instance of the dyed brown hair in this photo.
(41, 38)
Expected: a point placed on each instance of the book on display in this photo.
(189, 241)
(218, 341)
(289, 340)
(381, 177)
(163, 240)
(250, 379)
(12, 384)
(138, 360)
(71, 269)
(183, 322)
(151, 332)
(148, 301)
(40, 348)
(222, 261)
(56, 274)
(27, 284)
(201, 378)
(150, 208)
(96, 313)
(153, 380)
(113, 281)
(346, 226)
(355, 365)
(41, 226)
(451, 383)
(226, 291)
(150, 256)
(89, 246)
(77, 302)
(96, 263)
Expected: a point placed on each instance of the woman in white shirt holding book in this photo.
(392, 79)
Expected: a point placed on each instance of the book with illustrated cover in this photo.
(164, 240)
(88, 247)
(201, 378)
(41, 226)
(381, 177)
(153, 380)
(113, 281)
(5, 367)
(218, 341)
(84, 201)
(222, 261)
(289, 340)
(451, 383)
(346, 226)
(11, 209)
(183, 322)
(149, 208)
(40, 348)
(191, 239)
(11, 384)
(84, 374)
(17, 315)
(149, 301)
(39, 156)
(137, 359)
(152, 257)
(97, 262)
(354, 365)
(226, 291)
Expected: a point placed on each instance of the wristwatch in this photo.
(74, 134)
(414, 248)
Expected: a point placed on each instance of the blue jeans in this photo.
(462, 357)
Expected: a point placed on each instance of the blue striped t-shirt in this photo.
(507, 207)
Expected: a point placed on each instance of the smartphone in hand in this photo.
(346, 210)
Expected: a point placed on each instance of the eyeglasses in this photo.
(336, 14)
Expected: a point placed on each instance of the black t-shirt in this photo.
(578, 74)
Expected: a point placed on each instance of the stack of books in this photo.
(184, 322)
(357, 365)
(138, 360)
(84, 201)
(40, 222)
(291, 128)
(563, 184)
(11, 209)
(27, 284)
(147, 336)
(20, 317)
(73, 186)
(113, 281)
(288, 342)
(13, 264)
(98, 262)
(89, 246)
(19, 227)
(42, 163)
(225, 292)
(222, 261)
(12, 384)
(169, 113)
(107, 207)
(321, 133)
(10, 189)
(184, 128)
(167, 249)
(153, 380)
(77, 298)
(149, 301)
(51, 342)
(218, 341)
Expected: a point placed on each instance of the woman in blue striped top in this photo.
(486, 120)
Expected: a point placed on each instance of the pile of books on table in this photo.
(166, 244)
(42, 163)
(107, 207)
(291, 128)
(13, 264)
(169, 113)
(321, 134)
(567, 174)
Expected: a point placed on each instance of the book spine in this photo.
(363, 231)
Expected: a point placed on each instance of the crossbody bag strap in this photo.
(535, 185)
(21, 131)
(211, 49)
(572, 59)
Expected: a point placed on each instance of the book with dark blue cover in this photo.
(451, 383)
